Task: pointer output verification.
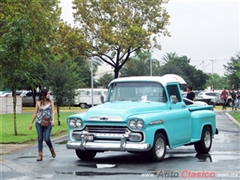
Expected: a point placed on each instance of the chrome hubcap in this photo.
(207, 139)
(159, 147)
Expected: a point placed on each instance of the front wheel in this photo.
(205, 144)
(85, 155)
(158, 150)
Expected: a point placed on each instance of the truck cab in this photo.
(141, 114)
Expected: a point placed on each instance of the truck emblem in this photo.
(103, 118)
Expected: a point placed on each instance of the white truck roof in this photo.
(160, 79)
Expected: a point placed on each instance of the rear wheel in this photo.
(205, 144)
(85, 155)
(158, 150)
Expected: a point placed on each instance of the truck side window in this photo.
(173, 90)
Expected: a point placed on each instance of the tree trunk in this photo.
(14, 109)
(116, 72)
(58, 115)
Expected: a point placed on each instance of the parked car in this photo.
(195, 92)
(6, 94)
(189, 102)
(198, 99)
(214, 96)
(27, 98)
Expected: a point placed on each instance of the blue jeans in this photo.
(234, 104)
(44, 133)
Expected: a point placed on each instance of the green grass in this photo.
(235, 115)
(22, 122)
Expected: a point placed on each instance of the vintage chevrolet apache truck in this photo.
(142, 114)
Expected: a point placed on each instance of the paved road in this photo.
(223, 162)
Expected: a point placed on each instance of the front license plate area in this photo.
(90, 138)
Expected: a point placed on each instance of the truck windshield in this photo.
(136, 91)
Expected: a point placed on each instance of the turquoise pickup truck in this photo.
(142, 114)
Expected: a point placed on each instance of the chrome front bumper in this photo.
(122, 145)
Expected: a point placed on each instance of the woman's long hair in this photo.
(43, 96)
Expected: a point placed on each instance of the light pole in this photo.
(151, 67)
(91, 69)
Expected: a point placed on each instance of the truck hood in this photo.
(124, 109)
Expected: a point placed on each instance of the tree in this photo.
(63, 79)
(105, 80)
(180, 65)
(142, 64)
(70, 40)
(217, 82)
(169, 57)
(117, 28)
(22, 42)
(233, 71)
(85, 66)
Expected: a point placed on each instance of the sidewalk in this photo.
(13, 148)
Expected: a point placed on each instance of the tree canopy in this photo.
(142, 64)
(22, 41)
(117, 28)
(233, 71)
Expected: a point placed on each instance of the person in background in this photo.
(233, 97)
(44, 107)
(238, 98)
(190, 94)
(224, 96)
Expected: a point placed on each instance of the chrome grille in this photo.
(106, 129)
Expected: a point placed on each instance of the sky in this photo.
(206, 31)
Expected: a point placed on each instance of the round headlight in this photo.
(139, 124)
(78, 123)
(132, 124)
(71, 122)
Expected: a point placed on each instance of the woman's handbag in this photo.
(45, 120)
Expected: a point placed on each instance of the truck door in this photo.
(180, 116)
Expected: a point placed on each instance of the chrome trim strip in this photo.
(161, 121)
(106, 118)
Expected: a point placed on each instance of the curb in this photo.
(232, 119)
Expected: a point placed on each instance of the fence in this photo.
(6, 105)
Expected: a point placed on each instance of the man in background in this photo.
(224, 96)
(190, 94)
(233, 97)
(238, 99)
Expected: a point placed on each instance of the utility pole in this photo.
(213, 60)
(203, 68)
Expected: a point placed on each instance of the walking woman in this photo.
(44, 107)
